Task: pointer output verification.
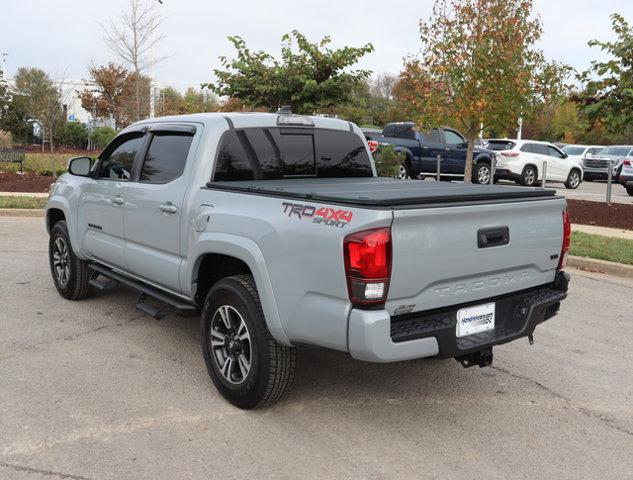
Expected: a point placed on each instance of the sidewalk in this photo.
(604, 231)
(24, 194)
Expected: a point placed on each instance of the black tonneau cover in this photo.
(374, 192)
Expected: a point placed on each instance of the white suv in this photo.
(522, 161)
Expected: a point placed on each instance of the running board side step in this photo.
(167, 302)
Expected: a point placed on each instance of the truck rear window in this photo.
(276, 153)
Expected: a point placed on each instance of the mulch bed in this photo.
(616, 215)
(581, 211)
(27, 182)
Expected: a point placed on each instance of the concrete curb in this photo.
(602, 266)
(22, 212)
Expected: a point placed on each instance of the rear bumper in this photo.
(374, 336)
(626, 180)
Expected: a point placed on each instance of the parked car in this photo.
(596, 166)
(626, 176)
(579, 152)
(522, 161)
(421, 150)
(275, 228)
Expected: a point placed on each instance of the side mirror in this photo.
(565, 155)
(80, 166)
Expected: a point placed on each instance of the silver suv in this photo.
(597, 166)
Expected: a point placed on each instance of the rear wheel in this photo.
(482, 173)
(247, 366)
(529, 176)
(573, 180)
(629, 190)
(70, 274)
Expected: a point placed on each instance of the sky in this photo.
(63, 36)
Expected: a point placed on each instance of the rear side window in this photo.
(528, 147)
(166, 157)
(501, 145)
(433, 136)
(274, 153)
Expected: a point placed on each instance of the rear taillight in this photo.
(509, 154)
(562, 262)
(368, 266)
(626, 163)
(373, 145)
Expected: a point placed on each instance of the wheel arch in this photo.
(59, 209)
(220, 255)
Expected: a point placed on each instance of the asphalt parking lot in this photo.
(96, 390)
(594, 191)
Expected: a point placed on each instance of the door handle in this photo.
(168, 207)
(118, 200)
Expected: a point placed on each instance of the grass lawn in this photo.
(603, 248)
(40, 163)
(22, 202)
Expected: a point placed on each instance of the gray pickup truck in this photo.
(276, 230)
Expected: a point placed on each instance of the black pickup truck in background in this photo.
(422, 149)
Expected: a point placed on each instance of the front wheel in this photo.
(482, 173)
(403, 172)
(247, 366)
(70, 274)
(529, 176)
(573, 180)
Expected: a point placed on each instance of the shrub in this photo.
(74, 134)
(46, 172)
(101, 136)
(388, 161)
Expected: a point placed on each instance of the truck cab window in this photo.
(166, 157)
(274, 153)
(452, 138)
(117, 164)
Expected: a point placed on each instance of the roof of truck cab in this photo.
(245, 120)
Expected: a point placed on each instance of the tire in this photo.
(247, 366)
(529, 176)
(481, 173)
(403, 172)
(70, 274)
(629, 190)
(573, 180)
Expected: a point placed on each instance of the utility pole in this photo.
(520, 130)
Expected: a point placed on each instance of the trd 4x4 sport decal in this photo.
(326, 216)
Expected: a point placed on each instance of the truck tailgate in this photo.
(451, 255)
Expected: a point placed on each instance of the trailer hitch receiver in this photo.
(483, 358)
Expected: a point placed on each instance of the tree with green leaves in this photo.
(479, 67)
(172, 102)
(42, 99)
(607, 97)
(310, 77)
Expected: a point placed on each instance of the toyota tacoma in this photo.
(275, 229)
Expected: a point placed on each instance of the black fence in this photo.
(13, 155)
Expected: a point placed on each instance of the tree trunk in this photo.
(51, 138)
(468, 170)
